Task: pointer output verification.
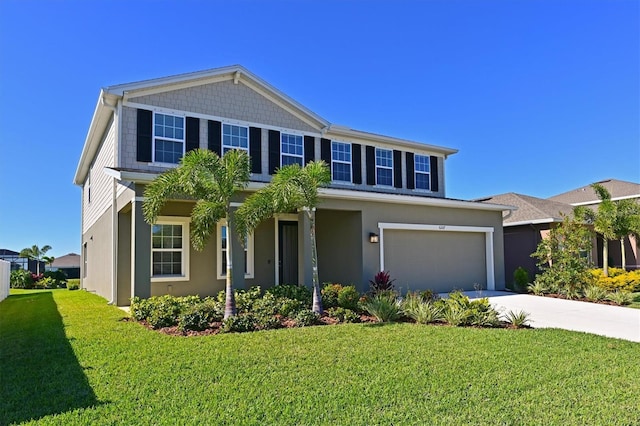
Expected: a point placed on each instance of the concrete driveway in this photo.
(548, 312)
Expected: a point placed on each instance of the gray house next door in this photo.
(288, 252)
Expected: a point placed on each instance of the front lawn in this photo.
(68, 358)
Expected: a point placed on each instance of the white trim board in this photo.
(488, 235)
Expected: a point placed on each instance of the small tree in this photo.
(210, 180)
(35, 253)
(292, 188)
(613, 220)
(563, 257)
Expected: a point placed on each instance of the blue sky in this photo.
(539, 96)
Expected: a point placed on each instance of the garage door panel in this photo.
(439, 261)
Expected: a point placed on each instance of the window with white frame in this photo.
(341, 161)
(384, 167)
(292, 149)
(168, 138)
(422, 172)
(170, 249)
(234, 137)
(223, 250)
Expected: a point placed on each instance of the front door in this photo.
(288, 252)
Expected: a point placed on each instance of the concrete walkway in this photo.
(548, 312)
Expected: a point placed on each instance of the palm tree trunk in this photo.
(622, 253)
(317, 298)
(605, 257)
(230, 299)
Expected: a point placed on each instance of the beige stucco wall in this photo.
(376, 212)
(98, 238)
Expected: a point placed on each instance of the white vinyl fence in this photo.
(5, 272)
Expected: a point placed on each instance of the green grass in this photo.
(68, 358)
(636, 301)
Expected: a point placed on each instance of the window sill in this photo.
(246, 276)
(172, 278)
(163, 165)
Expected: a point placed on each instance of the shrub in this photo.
(381, 282)
(73, 284)
(267, 322)
(270, 305)
(195, 318)
(348, 297)
(521, 279)
(343, 314)
(424, 312)
(306, 317)
(538, 288)
(620, 297)
(459, 310)
(517, 319)
(291, 291)
(330, 294)
(244, 298)
(21, 279)
(59, 278)
(161, 311)
(384, 307)
(595, 293)
(239, 324)
(46, 282)
(618, 279)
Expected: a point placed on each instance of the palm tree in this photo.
(612, 220)
(35, 253)
(48, 260)
(210, 180)
(292, 188)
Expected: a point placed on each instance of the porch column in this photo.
(305, 270)
(237, 256)
(140, 251)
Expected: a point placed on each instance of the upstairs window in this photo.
(422, 172)
(384, 167)
(341, 161)
(234, 137)
(168, 138)
(292, 150)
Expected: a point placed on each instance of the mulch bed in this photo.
(215, 327)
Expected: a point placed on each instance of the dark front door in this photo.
(288, 252)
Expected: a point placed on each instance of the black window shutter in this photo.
(255, 149)
(356, 162)
(309, 149)
(193, 134)
(411, 179)
(274, 151)
(371, 165)
(215, 137)
(325, 151)
(433, 169)
(397, 168)
(144, 136)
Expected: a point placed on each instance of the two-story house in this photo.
(384, 210)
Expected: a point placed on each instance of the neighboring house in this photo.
(525, 227)
(619, 190)
(69, 264)
(385, 209)
(18, 262)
